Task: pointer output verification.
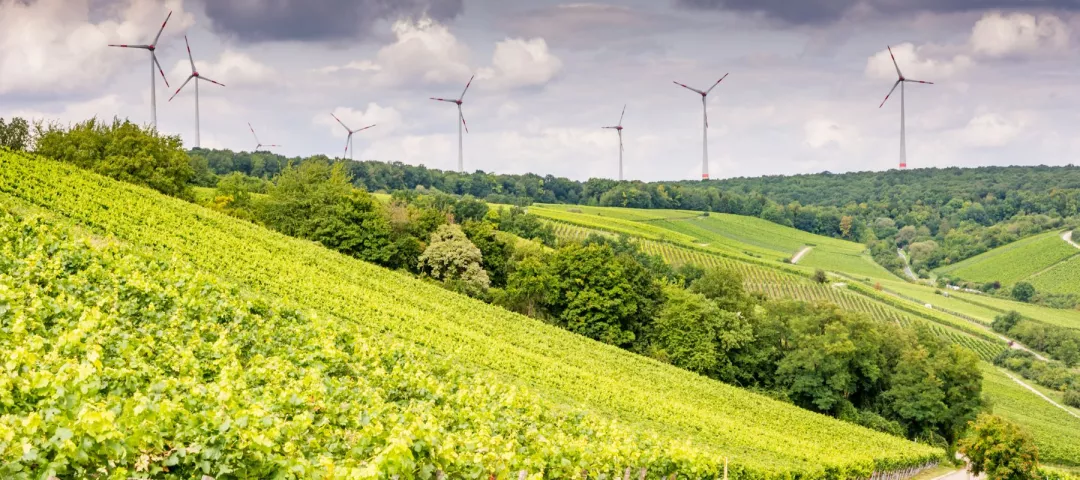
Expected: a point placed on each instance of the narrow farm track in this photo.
(798, 256)
(907, 266)
(1040, 394)
(1067, 236)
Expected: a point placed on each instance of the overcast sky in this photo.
(806, 79)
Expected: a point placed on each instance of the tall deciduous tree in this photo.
(451, 256)
(1000, 449)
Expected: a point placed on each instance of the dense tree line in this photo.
(939, 216)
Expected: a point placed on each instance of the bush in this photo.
(1023, 292)
(820, 276)
(1072, 397)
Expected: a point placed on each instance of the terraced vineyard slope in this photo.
(733, 235)
(1045, 260)
(691, 423)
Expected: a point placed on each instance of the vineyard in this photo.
(1021, 260)
(1057, 434)
(349, 365)
(780, 285)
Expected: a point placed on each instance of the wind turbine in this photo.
(705, 126)
(901, 80)
(460, 157)
(618, 128)
(258, 143)
(153, 63)
(348, 140)
(194, 74)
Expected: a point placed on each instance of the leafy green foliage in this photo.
(1023, 292)
(1052, 375)
(15, 134)
(525, 225)
(1059, 342)
(121, 150)
(692, 332)
(451, 256)
(1000, 449)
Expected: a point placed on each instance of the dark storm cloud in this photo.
(315, 20)
(826, 11)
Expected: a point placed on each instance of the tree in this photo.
(723, 286)
(845, 226)
(905, 236)
(451, 256)
(1023, 291)
(494, 247)
(820, 276)
(601, 295)
(692, 333)
(1005, 323)
(1072, 397)
(122, 150)
(1000, 449)
(15, 135)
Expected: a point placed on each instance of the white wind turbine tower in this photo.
(194, 75)
(258, 143)
(705, 125)
(901, 81)
(619, 128)
(348, 140)
(461, 117)
(152, 47)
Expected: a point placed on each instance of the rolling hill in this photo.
(1045, 260)
(964, 319)
(439, 361)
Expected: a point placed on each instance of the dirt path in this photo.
(1036, 392)
(1067, 236)
(907, 266)
(804, 251)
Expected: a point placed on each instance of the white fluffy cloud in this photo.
(57, 46)
(917, 63)
(234, 69)
(519, 63)
(387, 120)
(992, 130)
(426, 52)
(998, 35)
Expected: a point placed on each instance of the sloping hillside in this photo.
(1042, 259)
(690, 417)
(734, 235)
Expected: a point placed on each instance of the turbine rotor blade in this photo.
(253, 134)
(918, 81)
(211, 81)
(901, 75)
(192, 60)
(167, 17)
(715, 84)
(367, 127)
(705, 108)
(462, 116)
(347, 140)
(466, 88)
(144, 47)
(890, 93)
(692, 89)
(444, 100)
(181, 87)
(159, 69)
(339, 121)
(622, 115)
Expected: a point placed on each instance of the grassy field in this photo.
(703, 418)
(723, 233)
(984, 308)
(1020, 260)
(1063, 277)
